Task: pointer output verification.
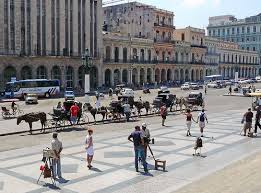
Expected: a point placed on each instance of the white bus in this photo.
(213, 78)
(40, 87)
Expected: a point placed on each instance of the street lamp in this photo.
(86, 62)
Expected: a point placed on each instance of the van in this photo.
(258, 78)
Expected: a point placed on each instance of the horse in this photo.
(140, 105)
(33, 117)
(181, 102)
(94, 111)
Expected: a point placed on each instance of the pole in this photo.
(86, 59)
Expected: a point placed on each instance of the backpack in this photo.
(202, 117)
(199, 142)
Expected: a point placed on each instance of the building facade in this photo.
(245, 32)
(231, 58)
(52, 34)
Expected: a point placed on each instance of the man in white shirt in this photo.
(202, 117)
(146, 137)
(57, 148)
(127, 111)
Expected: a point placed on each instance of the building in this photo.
(230, 59)
(245, 32)
(45, 39)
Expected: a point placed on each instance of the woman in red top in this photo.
(189, 118)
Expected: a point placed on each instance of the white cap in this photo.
(144, 125)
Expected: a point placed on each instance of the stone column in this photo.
(112, 77)
(112, 53)
(145, 76)
(152, 75)
(138, 74)
(120, 53)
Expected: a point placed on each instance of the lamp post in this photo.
(86, 61)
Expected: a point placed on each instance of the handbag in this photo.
(47, 171)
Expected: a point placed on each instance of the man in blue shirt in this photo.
(137, 138)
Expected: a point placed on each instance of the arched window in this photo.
(125, 54)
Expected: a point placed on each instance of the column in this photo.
(145, 76)
(138, 74)
(112, 53)
(152, 75)
(173, 74)
(120, 53)
(112, 77)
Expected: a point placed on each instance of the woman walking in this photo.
(189, 118)
(89, 148)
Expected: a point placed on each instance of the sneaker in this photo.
(137, 170)
(146, 171)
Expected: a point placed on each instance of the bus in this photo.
(213, 78)
(40, 87)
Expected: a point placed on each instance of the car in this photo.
(69, 95)
(194, 86)
(163, 89)
(127, 92)
(212, 85)
(31, 99)
(258, 78)
(185, 87)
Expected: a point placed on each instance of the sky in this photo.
(195, 13)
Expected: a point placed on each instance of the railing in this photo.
(239, 63)
(198, 46)
(131, 61)
(164, 25)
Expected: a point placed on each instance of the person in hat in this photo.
(57, 148)
(146, 136)
(89, 148)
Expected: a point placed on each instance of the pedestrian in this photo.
(146, 136)
(258, 116)
(189, 119)
(202, 118)
(13, 107)
(74, 113)
(163, 113)
(98, 104)
(57, 148)
(138, 142)
(205, 89)
(230, 90)
(89, 148)
(248, 116)
(127, 111)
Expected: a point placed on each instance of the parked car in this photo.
(163, 89)
(185, 87)
(212, 85)
(127, 92)
(31, 99)
(258, 78)
(69, 95)
(194, 86)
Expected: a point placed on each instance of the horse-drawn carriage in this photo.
(194, 100)
(11, 113)
(164, 98)
(60, 117)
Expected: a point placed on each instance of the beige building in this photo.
(45, 29)
(230, 58)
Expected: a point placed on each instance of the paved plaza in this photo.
(114, 160)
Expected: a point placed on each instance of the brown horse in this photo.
(103, 111)
(33, 117)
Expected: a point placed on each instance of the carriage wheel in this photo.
(84, 118)
(50, 123)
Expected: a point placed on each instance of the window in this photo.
(243, 39)
(209, 32)
(182, 37)
(254, 48)
(247, 48)
(247, 39)
(254, 29)
(223, 32)
(237, 30)
(233, 31)
(218, 32)
(214, 32)
(228, 31)
(254, 39)
(243, 30)
(248, 30)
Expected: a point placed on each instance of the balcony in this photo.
(160, 40)
(240, 63)
(198, 46)
(111, 61)
(164, 25)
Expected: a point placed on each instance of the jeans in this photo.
(73, 120)
(257, 125)
(127, 116)
(139, 152)
(56, 164)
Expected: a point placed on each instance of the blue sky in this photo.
(196, 12)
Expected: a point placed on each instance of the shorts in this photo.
(189, 124)
(163, 116)
(248, 125)
(90, 151)
(202, 124)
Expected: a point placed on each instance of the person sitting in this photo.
(13, 107)
(59, 106)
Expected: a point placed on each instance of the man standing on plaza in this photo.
(163, 113)
(248, 116)
(57, 148)
(258, 116)
(202, 118)
(138, 142)
(146, 137)
(127, 111)
(74, 113)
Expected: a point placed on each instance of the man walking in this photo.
(248, 116)
(163, 113)
(202, 118)
(57, 148)
(74, 113)
(258, 116)
(127, 111)
(230, 90)
(146, 136)
(138, 142)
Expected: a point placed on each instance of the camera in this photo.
(48, 153)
